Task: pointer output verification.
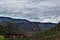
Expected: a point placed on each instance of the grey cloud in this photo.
(37, 10)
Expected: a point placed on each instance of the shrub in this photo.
(2, 37)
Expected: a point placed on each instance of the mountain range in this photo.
(24, 24)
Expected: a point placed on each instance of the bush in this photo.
(20, 39)
(2, 37)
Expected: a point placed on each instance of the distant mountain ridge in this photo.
(8, 19)
(26, 25)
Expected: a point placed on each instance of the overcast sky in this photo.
(33, 10)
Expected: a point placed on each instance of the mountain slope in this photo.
(49, 34)
(7, 28)
(25, 25)
(9, 31)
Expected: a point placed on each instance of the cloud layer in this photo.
(33, 10)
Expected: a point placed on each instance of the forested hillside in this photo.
(7, 29)
(26, 30)
(24, 24)
(49, 34)
(9, 32)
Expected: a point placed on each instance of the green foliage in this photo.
(20, 39)
(50, 34)
(2, 37)
(29, 33)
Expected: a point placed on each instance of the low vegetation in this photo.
(2, 37)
